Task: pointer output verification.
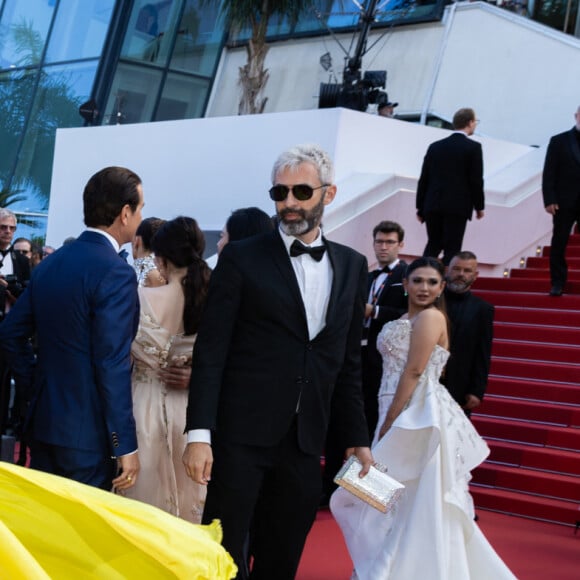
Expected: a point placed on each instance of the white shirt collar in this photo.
(107, 235)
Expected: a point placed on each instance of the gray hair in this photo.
(313, 154)
(6, 213)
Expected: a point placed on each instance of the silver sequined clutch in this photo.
(376, 488)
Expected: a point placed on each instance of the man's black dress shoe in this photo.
(556, 290)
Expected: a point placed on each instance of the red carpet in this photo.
(531, 413)
(533, 550)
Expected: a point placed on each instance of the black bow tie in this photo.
(5, 252)
(124, 254)
(376, 273)
(297, 249)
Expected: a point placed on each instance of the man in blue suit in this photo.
(82, 304)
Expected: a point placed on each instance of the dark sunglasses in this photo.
(301, 192)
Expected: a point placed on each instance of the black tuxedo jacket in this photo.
(470, 345)
(254, 367)
(561, 177)
(392, 303)
(21, 268)
(451, 180)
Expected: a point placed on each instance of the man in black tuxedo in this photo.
(451, 187)
(277, 348)
(14, 276)
(386, 301)
(561, 191)
(471, 334)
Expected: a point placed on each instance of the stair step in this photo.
(534, 390)
(521, 504)
(537, 333)
(543, 371)
(511, 408)
(526, 432)
(532, 300)
(544, 262)
(568, 318)
(522, 349)
(541, 273)
(556, 486)
(520, 284)
(534, 457)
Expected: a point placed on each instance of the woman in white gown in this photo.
(427, 443)
(169, 318)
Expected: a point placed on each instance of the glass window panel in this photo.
(151, 31)
(183, 98)
(23, 32)
(60, 92)
(16, 89)
(199, 39)
(133, 95)
(80, 29)
(405, 11)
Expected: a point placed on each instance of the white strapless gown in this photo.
(431, 448)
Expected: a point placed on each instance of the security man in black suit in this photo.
(561, 191)
(451, 187)
(471, 334)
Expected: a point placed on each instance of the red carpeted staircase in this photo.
(531, 413)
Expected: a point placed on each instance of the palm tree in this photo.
(256, 15)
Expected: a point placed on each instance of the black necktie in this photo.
(297, 249)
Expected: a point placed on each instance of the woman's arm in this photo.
(429, 329)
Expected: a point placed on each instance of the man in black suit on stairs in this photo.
(451, 187)
(471, 334)
(278, 347)
(561, 191)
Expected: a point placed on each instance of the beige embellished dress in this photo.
(160, 417)
(431, 448)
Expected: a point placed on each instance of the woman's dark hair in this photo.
(246, 222)
(428, 262)
(181, 242)
(147, 229)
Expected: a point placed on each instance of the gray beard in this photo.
(459, 287)
(310, 221)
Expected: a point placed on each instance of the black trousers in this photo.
(562, 222)
(444, 233)
(272, 490)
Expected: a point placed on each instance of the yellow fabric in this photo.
(52, 527)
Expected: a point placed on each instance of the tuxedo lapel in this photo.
(281, 263)
(338, 274)
(574, 145)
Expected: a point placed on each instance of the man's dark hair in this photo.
(465, 255)
(107, 192)
(246, 222)
(462, 118)
(21, 240)
(387, 227)
(147, 229)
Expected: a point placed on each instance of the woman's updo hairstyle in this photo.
(147, 229)
(181, 242)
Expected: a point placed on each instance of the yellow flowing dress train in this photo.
(56, 528)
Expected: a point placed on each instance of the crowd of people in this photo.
(213, 395)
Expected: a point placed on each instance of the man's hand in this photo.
(129, 465)
(368, 310)
(420, 219)
(198, 461)
(471, 401)
(364, 455)
(552, 208)
(479, 214)
(176, 377)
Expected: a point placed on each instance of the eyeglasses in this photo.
(5, 228)
(301, 192)
(386, 242)
(24, 252)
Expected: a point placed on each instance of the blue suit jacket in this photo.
(82, 303)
